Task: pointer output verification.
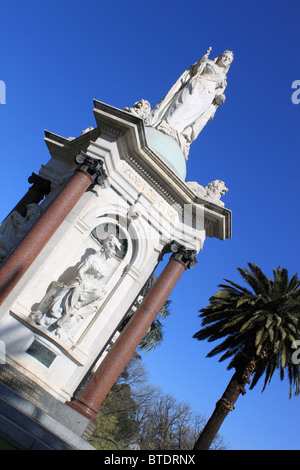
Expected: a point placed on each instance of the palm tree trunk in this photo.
(224, 405)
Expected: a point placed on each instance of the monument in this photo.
(77, 250)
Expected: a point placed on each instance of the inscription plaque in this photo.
(41, 353)
(21, 384)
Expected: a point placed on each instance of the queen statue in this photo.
(193, 99)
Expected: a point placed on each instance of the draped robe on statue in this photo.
(190, 103)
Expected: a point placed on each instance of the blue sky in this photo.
(58, 56)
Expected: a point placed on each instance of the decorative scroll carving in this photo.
(186, 256)
(40, 185)
(92, 166)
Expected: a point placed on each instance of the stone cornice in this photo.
(129, 131)
(67, 149)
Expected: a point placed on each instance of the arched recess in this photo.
(136, 231)
(137, 264)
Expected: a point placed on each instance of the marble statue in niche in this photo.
(65, 305)
(15, 227)
(103, 229)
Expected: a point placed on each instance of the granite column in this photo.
(39, 189)
(17, 263)
(116, 359)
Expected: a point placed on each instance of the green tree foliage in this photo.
(257, 326)
(116, 424)
(117, 417)
(137, 414)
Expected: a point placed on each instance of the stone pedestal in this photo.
(145, 204)
(32, 419)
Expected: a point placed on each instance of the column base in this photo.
(83, 409)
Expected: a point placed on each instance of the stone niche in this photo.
(145, 205)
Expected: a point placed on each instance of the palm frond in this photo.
(261, 320)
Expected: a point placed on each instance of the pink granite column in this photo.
(21, 258)
(116, 359)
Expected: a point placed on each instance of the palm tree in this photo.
(258, 328)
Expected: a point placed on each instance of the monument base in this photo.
(32, 419)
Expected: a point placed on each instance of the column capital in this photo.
(92, 167)
(183, 254)
(40, 184)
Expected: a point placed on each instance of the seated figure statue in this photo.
(65, 305)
